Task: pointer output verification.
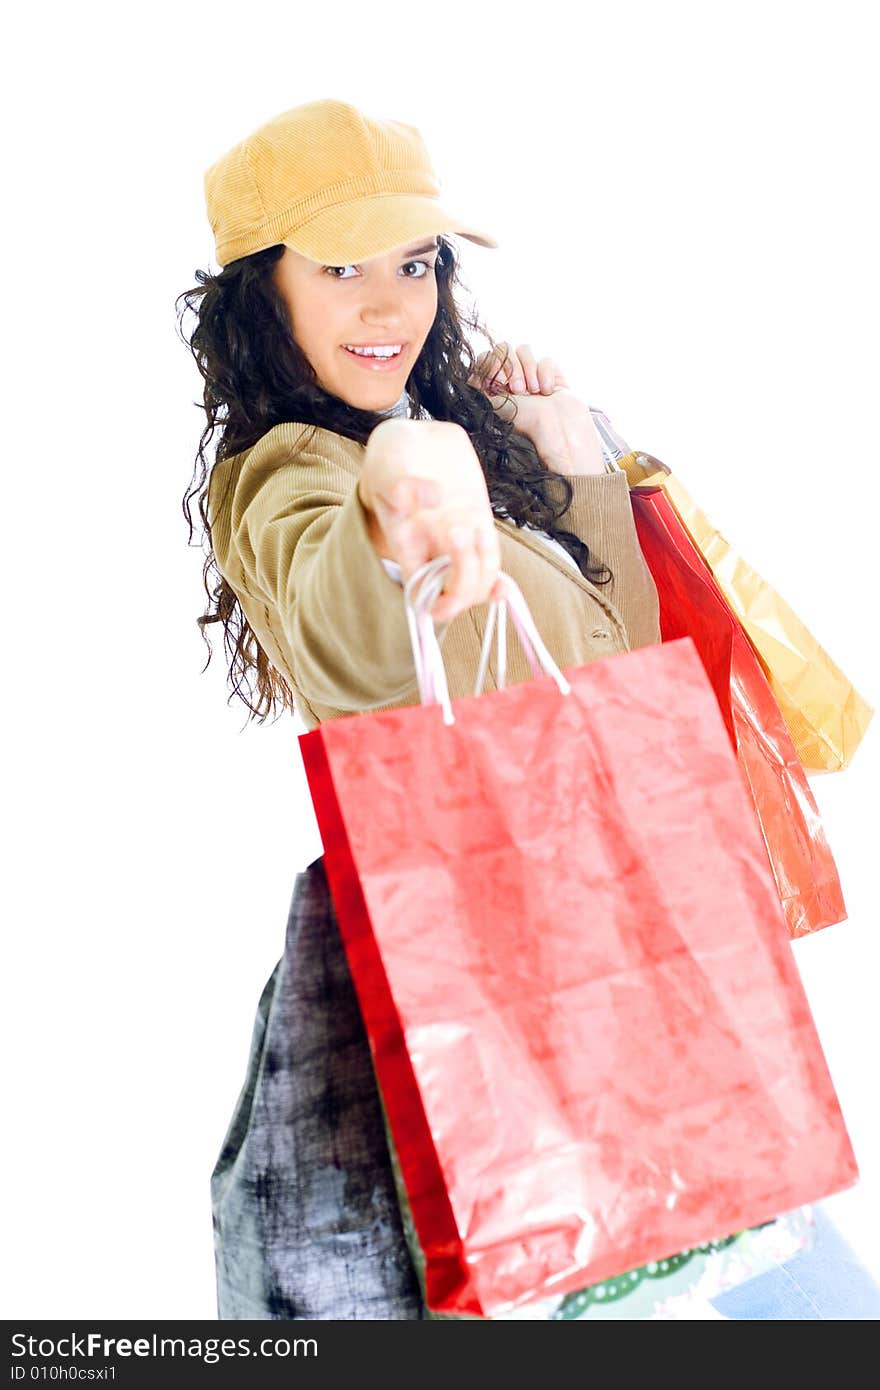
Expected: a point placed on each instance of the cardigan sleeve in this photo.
(601, 515)
(301, 535)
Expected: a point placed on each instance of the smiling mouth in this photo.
(376, 361)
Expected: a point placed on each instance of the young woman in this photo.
(360, 437)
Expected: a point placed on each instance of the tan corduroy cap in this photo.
(332, 183)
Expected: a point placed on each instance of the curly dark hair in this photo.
(256, 376)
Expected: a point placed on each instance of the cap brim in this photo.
(365, 227)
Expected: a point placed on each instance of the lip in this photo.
(374, 364)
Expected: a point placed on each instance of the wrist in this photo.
(573, 466)
(579, 450)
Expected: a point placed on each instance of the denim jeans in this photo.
(827, 1283)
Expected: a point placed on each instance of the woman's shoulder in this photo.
(293, 439)
(320, 457)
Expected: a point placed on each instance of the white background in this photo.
(683, 194)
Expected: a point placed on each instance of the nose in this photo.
(382, 307)
(384, 321)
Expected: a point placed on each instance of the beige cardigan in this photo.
(290, 536)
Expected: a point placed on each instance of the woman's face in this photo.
(388, 299)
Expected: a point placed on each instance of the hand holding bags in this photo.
(590, 1034)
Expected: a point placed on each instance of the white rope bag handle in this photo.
(419, 595)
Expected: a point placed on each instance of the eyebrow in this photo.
(417, 250)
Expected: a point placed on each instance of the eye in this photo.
(426, 265)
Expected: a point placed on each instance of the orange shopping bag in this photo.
(691, 604)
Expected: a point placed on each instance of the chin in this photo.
(384, 402)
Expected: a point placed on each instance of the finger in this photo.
(510, 373)
(496, 384)
(462, 577)
(503, 354)
(548, 375)
(410, 547)
(518, 386)
(507, 374)
(529, 367)
(489, 555)
(492, 369)
(517, 383)
(407, 495)
(484, 366)
(429, 493)
(396, 500)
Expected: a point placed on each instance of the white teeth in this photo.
(375, 352)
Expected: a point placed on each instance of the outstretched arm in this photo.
(304, 543)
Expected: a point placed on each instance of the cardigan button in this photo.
(600, 632)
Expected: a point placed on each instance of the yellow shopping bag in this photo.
(825, 714)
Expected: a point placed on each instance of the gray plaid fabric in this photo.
(306, 1220)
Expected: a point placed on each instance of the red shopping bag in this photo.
(692, 604)
(589, 1032)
